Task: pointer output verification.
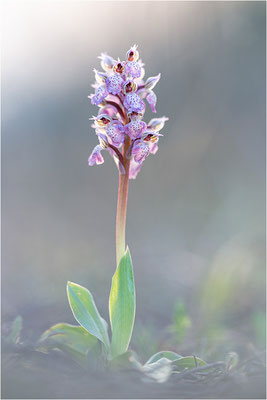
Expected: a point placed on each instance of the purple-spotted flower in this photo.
(140, 151)
(120, 92)
(133, 103)
(101, 93)
(115, 132)
(135, 128)
(114, 84)
(96, 156)
(134, 69)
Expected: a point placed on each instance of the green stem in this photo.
(122, 205)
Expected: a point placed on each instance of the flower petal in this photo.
(96, 156)
(151, 82)
(156, 124)
(152, 100)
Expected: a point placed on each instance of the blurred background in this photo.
(196, 212)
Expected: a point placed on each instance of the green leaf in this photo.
(70, 339)
(122, 305)
(170, 355)
(85, 312)
(159, 370)
(188, 362)
(127, 360)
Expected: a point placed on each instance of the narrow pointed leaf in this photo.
(122, 305)
(85, 312)
(170, 355)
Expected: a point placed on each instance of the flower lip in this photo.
(134, 69)
(114, 84)
(133, 103)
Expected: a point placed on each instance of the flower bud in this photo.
(156, 124)
(132, 54)
(107, 62)
(100, 77)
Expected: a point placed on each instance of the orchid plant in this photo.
(120, 94)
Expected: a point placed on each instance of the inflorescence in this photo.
(120, 92)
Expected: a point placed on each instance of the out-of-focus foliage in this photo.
(14, 335)
(144, 341)
(258, 319)
(181, 322)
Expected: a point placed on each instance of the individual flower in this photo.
(132, 54)
(100, 94)
(152, 100)
(114, 84)
(107, 62)
(115, 132)
(152, 138)
(133, 68)
(96, 156)
(133, 103)
(140, 150)
(135, 128)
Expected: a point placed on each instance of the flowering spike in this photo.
(119, 93)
